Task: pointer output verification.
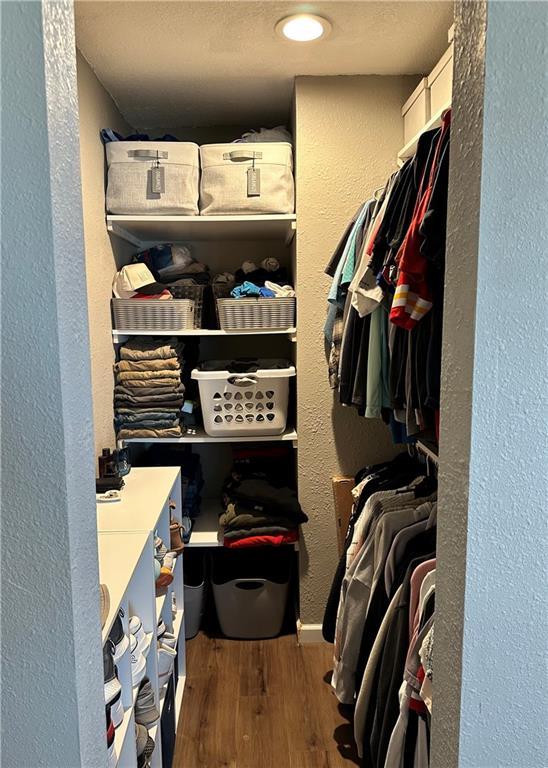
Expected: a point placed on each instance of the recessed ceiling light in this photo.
(303, 27)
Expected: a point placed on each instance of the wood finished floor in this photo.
(261, 704)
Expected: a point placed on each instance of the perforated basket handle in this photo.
(250, 584)
(241, 155)
(242, 381)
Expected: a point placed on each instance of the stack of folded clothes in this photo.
(259, 507)
(149, 391)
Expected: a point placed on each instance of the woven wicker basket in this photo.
(153, 315)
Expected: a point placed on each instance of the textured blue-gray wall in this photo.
(490, 698)
(52, 699)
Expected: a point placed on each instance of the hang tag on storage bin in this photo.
(158, 180)
(253, 181)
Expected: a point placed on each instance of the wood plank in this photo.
(261, 738)
(261, 704)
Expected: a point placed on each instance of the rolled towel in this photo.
(280, 291)
(271, 264)
(249, 266)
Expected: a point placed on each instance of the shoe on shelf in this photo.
(176, 542)
(112, 684)
(111, 749)
(173, 606)
(137, 630)
(166, 657)
(118, 637)
(169, 561)
(163, 581)
(161, 627)
(104, 596)
(165, 637)
(146, 712)
(138, 662)
(117, 710)
(160, 549)
(145, 745)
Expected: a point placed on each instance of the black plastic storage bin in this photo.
(250, 589)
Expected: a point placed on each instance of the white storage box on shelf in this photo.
(416, 111)
(440, 83)
(247, 178)
(153, 177)
(244, 404)
(153, 314)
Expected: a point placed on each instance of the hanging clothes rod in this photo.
(428, 452)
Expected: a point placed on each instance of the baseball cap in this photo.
(129, 279)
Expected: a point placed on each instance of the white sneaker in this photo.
(167, 639)
(136, 629)
(117, 710)
(138, 662)
(166, 658)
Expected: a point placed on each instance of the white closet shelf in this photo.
(119, 554)
(179, 696)
(146, 491)
(290, 435)
(411, 146)
(122, 730)
(121, 336)
(206, 531)
(160, 602)
(145, 230)
(177, 621)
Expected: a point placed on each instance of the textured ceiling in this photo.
(214, 63)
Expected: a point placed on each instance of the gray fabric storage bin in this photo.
(194, 591)
(252, 605)
(194, 608)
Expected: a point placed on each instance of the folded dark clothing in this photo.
(126, 434)
(261, 496)
(259, 276)
(244, 365)
(121, 389)
(148, 424)
(138, 385)
(136, 411)
(124, 400)
(126, 414)
(139, 348)
(263, 530)
(199, 278)
(238, 516)
(124, 389)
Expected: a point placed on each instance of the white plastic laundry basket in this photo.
(153, 314)
(244, 404)
(153, 177)
(247, 178)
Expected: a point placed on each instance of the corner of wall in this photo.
(104, 254)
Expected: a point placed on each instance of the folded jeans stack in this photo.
(259, 511)
(149, 392)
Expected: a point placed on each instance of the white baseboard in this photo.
(309, 633)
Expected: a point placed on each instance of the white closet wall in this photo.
(348, 133)
(98, 110)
